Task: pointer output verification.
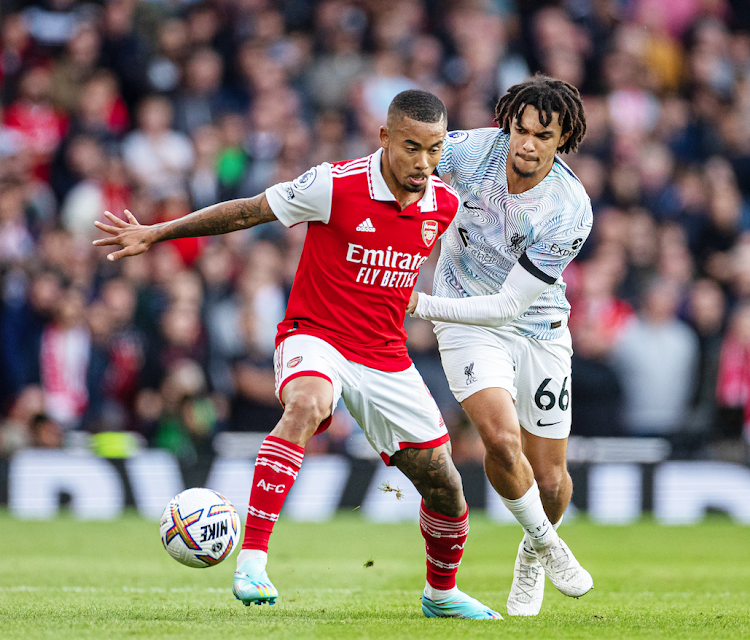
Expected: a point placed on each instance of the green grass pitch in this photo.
(66, 579)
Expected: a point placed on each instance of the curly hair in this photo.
(547, 95)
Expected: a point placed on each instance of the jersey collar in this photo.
(379, 189)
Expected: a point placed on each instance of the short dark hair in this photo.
(546, 95)
(418, 105)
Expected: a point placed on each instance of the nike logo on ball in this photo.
(539, 423)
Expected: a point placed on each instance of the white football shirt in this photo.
(542, 228)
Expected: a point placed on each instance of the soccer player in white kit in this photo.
(501, 314)
(372, 223)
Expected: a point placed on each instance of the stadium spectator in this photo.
(15, 50)
(34, 116)
(165, 66)
(596, 306)
(597, 320)
(189, 416)
(124, 50)
(200, 102)
(232, 163)
(733, 391)
(85, 199)
(706, 315)
(73, 69)
(172, 204)
(340, 29)
(15, 430)
(117, 357)
(254, 403)
(203, 181)
(158, 156)
(656, 358)
(16, 243)
(100, 109)
(386, 80)
(64, 355)
(23, 320)
(182, 336)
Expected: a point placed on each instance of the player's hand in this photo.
(133, 237)
(412, 302)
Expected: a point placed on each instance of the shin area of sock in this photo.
(445, 537)
(276, 469)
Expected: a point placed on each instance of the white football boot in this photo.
(527, 590)
(564, 571)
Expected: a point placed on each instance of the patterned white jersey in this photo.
(542, 228)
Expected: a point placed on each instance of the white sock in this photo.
(439, 594)
(528, 547)
(529, 512)
(258, 556)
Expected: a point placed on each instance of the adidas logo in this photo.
(366, 226)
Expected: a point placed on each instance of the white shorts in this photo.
(394, 409)
(536, 373)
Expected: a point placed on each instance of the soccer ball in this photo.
(199, 528)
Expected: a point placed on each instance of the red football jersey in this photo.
(361, 257)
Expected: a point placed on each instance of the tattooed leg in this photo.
(436, 478)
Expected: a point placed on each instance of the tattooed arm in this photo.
(225, 217)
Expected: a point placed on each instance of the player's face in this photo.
(413, 151)
(532, 145)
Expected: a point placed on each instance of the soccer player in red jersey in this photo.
(372, 222)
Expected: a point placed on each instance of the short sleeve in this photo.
(447, 156)
(547, 258)
(306, 199)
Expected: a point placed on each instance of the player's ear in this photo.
(384, 138)
(563, 139)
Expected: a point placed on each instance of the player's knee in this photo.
(504, 448)
(306, 409)
(448, 482)
(444, 494)
(552, 484)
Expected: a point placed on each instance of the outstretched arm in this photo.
(224, 217)
(518, 292)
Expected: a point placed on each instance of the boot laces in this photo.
(559, 559)
(526, 579)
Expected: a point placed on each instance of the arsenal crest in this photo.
(429, 232)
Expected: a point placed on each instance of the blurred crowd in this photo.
(166, 106)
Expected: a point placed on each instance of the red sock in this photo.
(444, 538)
(276, 469)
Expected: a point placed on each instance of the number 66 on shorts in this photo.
(535, 372)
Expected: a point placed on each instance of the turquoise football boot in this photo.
(252, 586)
(458, 606)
